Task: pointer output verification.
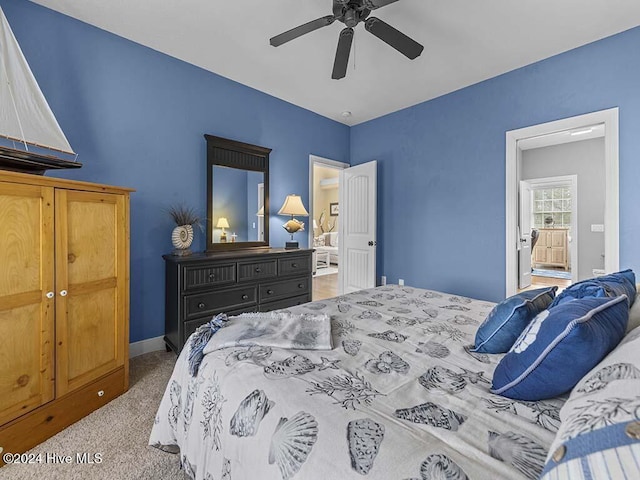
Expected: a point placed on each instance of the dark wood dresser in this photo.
(202, 285)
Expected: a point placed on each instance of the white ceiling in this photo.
(466, 41)
(565, 136)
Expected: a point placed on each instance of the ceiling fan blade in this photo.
(395, 38)
(373, 4)
(302, 30)
(342, 54)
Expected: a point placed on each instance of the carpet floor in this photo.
(119, 431)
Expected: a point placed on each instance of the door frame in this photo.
(324, 162)
(571, 181)
(607, 117)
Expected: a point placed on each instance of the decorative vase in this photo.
(182, 237)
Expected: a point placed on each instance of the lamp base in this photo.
(291, 246)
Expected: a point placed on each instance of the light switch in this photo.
(597, 227)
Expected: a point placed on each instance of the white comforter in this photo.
(399, 397)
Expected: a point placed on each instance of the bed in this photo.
(400, 396)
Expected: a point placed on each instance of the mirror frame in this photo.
(243, 156)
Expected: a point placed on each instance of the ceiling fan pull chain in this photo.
(355, 44)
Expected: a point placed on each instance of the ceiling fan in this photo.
(352, 12)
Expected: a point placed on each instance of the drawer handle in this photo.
(101, 393)
(201, 305)
(294, 265)
(258, 270)
(301, 285)
(245, 296)
(212, 276)
(269, 292)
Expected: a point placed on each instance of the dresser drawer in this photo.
(192, 325)
(287, 288)
(287, 302)
(257, 270)
(202, 304)
(294, 265)
(200, 276)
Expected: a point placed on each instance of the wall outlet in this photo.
(597, 227)
(383, 280)
(401, 281)
(598, 271)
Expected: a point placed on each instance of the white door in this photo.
(524, 236)
(357, 227)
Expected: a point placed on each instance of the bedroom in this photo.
(441, 163)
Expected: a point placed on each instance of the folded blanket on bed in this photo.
(269, 329)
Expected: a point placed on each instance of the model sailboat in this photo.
(34, 138)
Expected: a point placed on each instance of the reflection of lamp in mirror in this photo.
(293, 206)
(260, 212)
(223, 223)
(315, 226)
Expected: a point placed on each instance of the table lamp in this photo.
(223, 223)
(293, 206)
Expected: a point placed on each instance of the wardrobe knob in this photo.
(63, 293)
(301, 285)
(269, 292)
(201, 305)
(258, 270)
(212, 276)
(294, 265)
(50, 294)
(245, 296)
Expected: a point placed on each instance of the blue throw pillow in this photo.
(559, 347)
(612, 285)
(509, 318)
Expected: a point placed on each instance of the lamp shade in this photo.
(222, 223)
(293, 206)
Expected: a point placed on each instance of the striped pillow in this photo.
(600, 432)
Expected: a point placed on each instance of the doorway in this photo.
(568, 130)
(550, 213)
(324, 234)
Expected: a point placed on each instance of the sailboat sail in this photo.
(25, 115)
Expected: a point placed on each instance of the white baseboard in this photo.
(146, 346)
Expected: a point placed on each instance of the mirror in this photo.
(237, 195)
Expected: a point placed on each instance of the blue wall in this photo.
(441, 164)
(230, 201)
(137, 119)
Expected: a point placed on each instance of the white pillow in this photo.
(331, 239)
(634, 314)
(600, 420)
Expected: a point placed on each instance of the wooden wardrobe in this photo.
(64, 303)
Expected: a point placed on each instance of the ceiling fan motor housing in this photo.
(350, 13)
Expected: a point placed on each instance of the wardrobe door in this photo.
(91, 279)
(26, 299)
